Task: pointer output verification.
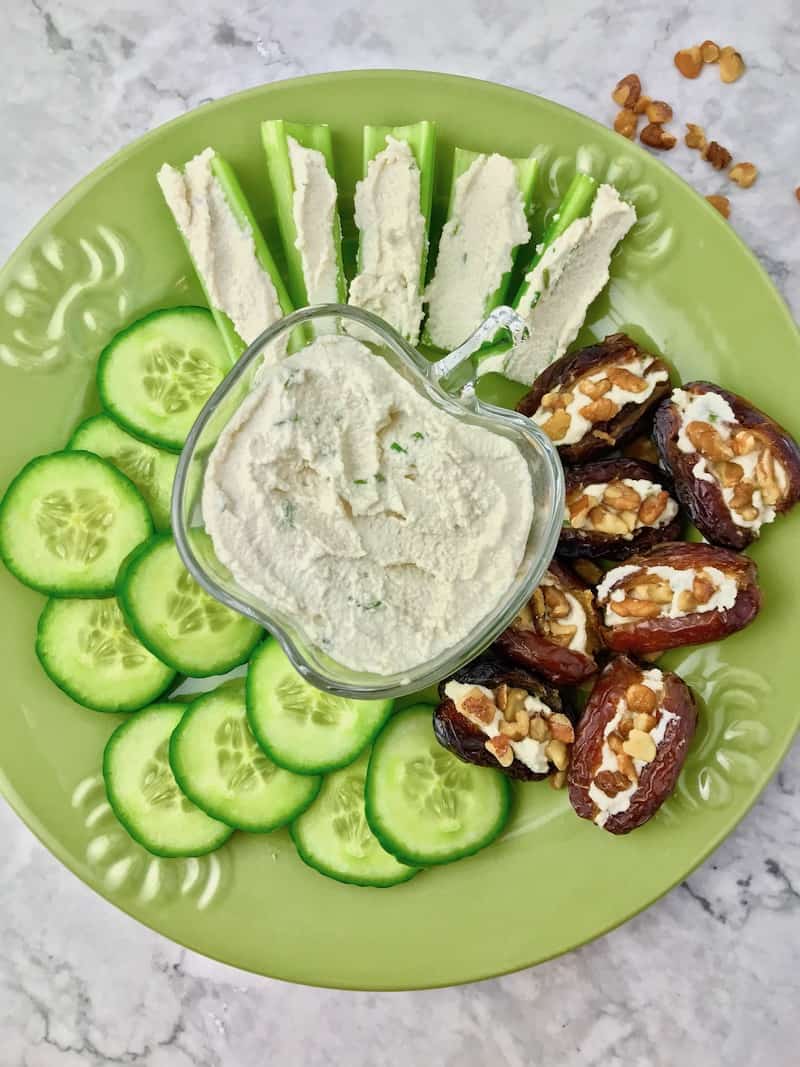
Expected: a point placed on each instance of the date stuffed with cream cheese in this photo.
(630, 745)
(589, 401)
(497, 714)
(558, 631)
(615, 507)
(735, 469)
(677, 594)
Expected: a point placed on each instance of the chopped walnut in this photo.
(611, 782)
(626, 123)
(709, 51)
(744, 174)
(640, 698)
(721, 203)
(689, 61)
(476, 705)
(500, 748)
(642, 104)
(627, 91)
(717, 156)
(658, 111)
(731, 64)
(695, 136)
(655, 136)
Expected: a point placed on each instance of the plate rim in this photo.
(84, 185)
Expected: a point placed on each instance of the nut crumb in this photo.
(709, 50)
(655, 136)
(721, 203)
(717, 156)
(695, 136)
(731, 64)
(689, 61)
(627, 90)
(625, 123)
(744, 174)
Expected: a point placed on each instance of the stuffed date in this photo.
(677, 594)
(497, 714)
(616, 507)
(589, 401)
(735, 469)
(558, 631)
(630, 745)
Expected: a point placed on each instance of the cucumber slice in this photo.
(219, 766)
(300, 727)
(156, 375)
(143, 793)
(67, 521)
(176, 619)
(152, 470)
(87, 650)
(334, 838)
(304, 284)
(423, 804)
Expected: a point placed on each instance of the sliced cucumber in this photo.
(156, 375)
(300, 727)
(176, 619)
(334, 838)
(143, 793)
(87, 649)
(275, 134)
(219, 766)
(67, 521)
(422, 803)
(152, 470)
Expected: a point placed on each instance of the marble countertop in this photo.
(706, 976)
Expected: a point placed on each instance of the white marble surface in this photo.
(708, 975)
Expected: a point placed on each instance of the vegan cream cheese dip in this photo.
(487, 224)
(387, 528)
(392, 240)
(221, 247)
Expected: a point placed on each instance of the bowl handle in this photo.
(455, 372)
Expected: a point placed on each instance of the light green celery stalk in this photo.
(421, 139)
(527, 173)
(237, 202)
(274, 135)
(575, 204)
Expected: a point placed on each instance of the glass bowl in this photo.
(449, 384)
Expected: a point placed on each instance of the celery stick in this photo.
(274, 136)
(421, 139)
(527, 171)
(243, 213)
(576, 203)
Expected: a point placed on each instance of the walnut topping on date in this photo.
(735, 469)
(677, 594)
(589, 401)
(625, 760)
(557, 632)
(495, 713)
(615, 507)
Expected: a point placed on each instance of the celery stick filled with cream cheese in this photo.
(300, 164)
(392, 212)
(487, 221)
(569, 272)
(230, 255)
(385, 526)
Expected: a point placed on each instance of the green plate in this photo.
(109, 252)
